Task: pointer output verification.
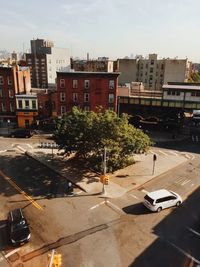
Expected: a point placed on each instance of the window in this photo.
(86, 84)
(19, 103)
(63, 110)
(1, 79)
(26, 103)
(75, 83)
(11, 93)
(152, 62)
(111, 98)
(11, 107)
(75, 97)
(86, 108)
(151, 70)
(9, 80)
(62, 96)
(33, 104)
(3, 107)
(62, 83)
(111, 84)
(86, 97)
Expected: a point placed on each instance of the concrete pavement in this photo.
(120, 182)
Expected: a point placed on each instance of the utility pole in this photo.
(118, 105)
(104, 171)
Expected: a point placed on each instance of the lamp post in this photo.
(8, 123)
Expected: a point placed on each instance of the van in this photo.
(161, 199)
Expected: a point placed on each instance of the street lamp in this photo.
(8, 123)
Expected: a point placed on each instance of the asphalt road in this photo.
(93, 231)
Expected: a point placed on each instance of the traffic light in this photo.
(57, 260)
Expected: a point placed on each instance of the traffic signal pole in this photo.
(104, 171)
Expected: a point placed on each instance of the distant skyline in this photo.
(110, 28)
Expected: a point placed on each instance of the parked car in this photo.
(18, 228)
(24, 133)
(161, 199)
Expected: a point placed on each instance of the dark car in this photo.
(18, 228)
(23, 133)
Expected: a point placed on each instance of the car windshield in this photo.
(150, 200)
(20, 225)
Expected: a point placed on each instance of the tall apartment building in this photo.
(87, 90)
(154, 72)
(102, 64)
(45, 60)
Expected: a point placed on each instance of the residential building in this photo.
(13, 80)
(44, 60)
(102, 64)
(26, 109)
(154, 72)
(87, 90)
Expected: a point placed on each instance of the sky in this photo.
(110, 28)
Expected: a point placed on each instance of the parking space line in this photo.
(144, 191)
(193, 231)
(165, 154)
(11, 253)
(173, 153)
(114, 206)
(184, 253)
(133, 196)
(11, 182)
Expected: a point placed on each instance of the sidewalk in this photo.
(120, 182)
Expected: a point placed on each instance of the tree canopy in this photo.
(88, 132)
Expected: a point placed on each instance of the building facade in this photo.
(154, 72)
(44, 60)
(86, 90)
(102, 64)
(13, 80)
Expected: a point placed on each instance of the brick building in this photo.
(87, 90)
(13, 80)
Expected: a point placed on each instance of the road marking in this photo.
(11, 253)
(11, 182)
(173, 153)
(179, 180)
(192, 185)
(3, 225)
(113, 205)
(133, 196)
(184, 253)
(144, 191)
(154, 153)
(96, 206)
(185, 182)
(29, 145)
(163, 152)
(193, 231)
(2, 151)
(79, 192)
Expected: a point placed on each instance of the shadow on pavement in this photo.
(4, 243)
(136, 209)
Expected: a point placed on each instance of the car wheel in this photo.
(178, 204)
(159, 209)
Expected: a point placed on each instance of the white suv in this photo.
(161, 199)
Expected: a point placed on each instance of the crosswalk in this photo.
(167, 153)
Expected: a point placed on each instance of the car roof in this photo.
(159, 193)
(17, 214)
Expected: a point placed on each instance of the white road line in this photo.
(114, 206)
(193, 231)
(178, 181)
(133, 196)
(29, 145)
(144, 191)
(2, 151)
(173, 153)
(185, 182)
(12, 252)
(153, 153)
(79, 192)
(184, 253)
(96, 206)
(3, 225)
(165, 154)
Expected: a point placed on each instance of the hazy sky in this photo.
(112, 28)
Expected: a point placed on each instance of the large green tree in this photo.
(88, 133)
